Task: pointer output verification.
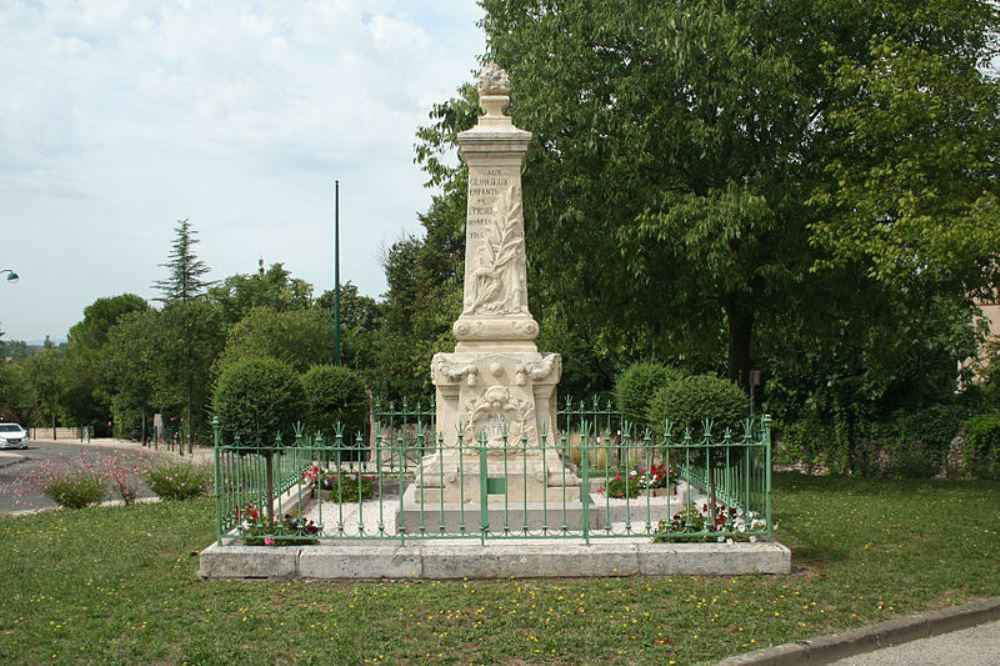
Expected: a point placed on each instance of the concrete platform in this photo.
(501, 558)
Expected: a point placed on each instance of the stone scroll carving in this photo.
(497, 286)
(455, 372)
(537, 370)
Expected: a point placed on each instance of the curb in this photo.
(420, 560)
(9, 459)
(830, 648)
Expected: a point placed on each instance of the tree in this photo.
(273, 288)
(86, 394)
(186, 271)
(183, 286)
(133, 364)
(258, 399)
(357, 312)
(17, 397)
(335, 395)
(694, 145)
(192, 335)
(300, 338)
(44, 374)
(912, 192)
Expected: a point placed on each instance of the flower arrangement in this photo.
(622, 486)
(288, 531)
(342, 487)
(697, 524)
(657, 476)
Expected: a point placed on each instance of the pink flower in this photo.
(268, 541)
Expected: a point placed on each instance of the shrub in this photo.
(348, 487)
(178, 481)
(622, 486)
(335, 394)
(76, 490)
(637, 385)
(688, 401)
(915, 444)
(803, 441)
(981, 447)
(257, 398)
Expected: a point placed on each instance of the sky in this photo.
(118, 118)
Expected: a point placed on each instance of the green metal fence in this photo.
(594, 479)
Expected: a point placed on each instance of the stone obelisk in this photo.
(496, 388)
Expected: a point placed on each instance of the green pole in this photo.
(336, 272)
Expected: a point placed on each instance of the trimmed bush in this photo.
(76, 490)
(637, 385)
(178, 481)
(335, 394)
(688, 401)
(257, 398)
(981, 448)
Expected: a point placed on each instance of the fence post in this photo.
(217, 440)
(765, 423)
(484, 509)
(585, 478)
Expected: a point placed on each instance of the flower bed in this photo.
(343, 486)
(288, 531)
(695, 524)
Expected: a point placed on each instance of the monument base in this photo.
(424, 512)
(518, 474)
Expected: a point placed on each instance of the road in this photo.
(976, 646)
(40, 451)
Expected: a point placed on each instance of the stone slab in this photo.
(501, 558)
(248, 562)
(337, 563)
(707, 559)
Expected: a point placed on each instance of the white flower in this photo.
(729, 540)
(753, 539)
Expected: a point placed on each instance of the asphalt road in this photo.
(61, 453)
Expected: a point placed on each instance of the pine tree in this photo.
(186, 270)
(183, 285)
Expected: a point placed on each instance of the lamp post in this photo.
(12, 277)
(336, 272)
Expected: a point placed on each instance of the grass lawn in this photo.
(118, 585)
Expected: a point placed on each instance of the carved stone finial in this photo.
(493, 80)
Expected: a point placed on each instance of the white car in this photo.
(13, 436)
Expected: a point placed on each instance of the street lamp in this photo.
(12, 277)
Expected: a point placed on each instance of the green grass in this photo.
(118, 585)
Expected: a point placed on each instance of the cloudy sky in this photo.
(118, 118)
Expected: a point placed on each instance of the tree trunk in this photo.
(190, 430)
(740, 321)
(143, 435)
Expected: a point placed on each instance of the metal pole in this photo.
(336, 272)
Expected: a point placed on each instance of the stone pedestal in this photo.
(496, 390)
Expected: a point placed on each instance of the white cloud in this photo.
(116, 118)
